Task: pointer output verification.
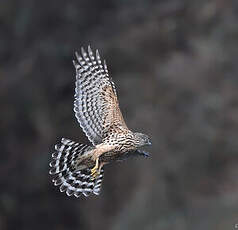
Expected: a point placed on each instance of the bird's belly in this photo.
(107, 157)
(110, 156)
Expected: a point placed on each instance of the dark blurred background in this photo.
(175, 66)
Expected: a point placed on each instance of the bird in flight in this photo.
(78, 168)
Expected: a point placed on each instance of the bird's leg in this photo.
(94, 170)
(99, 150)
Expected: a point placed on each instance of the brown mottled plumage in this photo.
(78, 167)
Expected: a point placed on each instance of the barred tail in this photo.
(74, 182)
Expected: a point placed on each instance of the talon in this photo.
(95, 171)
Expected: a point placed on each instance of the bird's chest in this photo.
(121, 142)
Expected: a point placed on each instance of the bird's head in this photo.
(142, 139)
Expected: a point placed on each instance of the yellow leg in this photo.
(94, 171)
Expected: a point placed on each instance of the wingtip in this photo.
(90, 53)
(97, 54)
(83, 51)
(105, 64)
(77, 55)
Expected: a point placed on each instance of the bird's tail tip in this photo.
(66, 176)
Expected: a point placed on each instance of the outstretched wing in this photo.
(96, 105)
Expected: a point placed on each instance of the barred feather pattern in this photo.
(70, 180)
(95, 103)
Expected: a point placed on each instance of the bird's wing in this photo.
(96, 105)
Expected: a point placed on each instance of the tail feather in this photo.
(72, 181)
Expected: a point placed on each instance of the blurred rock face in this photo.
(175, 67)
